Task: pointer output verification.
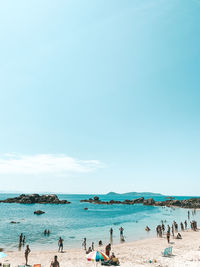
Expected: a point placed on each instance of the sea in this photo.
(73, 223)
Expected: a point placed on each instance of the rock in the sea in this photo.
(149, 201)
(39, 212)
(36, 198)
(138, 200)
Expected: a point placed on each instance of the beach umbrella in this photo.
(97, 256)
(2, 255)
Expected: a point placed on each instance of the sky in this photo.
(99, 96)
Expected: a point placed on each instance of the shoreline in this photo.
(138, 253)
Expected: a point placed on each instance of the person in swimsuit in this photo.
(27, 251)
(60, 244)
(55, 263)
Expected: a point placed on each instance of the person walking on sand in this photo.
(27, 251)
(55, 263)
(168, 237)
(60, 245)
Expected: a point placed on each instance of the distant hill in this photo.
(138, 194)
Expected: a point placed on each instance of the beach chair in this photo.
(167, 252)
(37, 265)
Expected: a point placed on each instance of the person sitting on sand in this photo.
(60, 244)
(89, 250)
(27, 251)
(114, 260)
(55, 263)
(147, 229)
(100, 243)
(178, 236)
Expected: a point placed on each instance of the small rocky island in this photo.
(193, 203)
(35, 199)
(39, 212)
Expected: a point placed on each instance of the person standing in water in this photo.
(121, 230)
(84, 243)
(27, 251)
(111, 232)
(60, 245)
(111, 235)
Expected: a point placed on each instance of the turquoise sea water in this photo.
(73, 223)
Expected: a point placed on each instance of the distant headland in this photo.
(135, 194)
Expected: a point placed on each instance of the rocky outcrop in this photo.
(39, 212)
(149, 202)
(96, 200)
(193, 203)
(35, 198)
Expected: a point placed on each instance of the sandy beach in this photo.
(186, 252)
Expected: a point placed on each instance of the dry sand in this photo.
(186, 252)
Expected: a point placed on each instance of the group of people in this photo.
(193, 225)
(90, 249)
(46, 232)
(160, 229)
(22, 240)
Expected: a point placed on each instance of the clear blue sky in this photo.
(110, 87)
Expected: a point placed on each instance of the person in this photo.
(168, 236)
(89, 250)
(93, 246)
(188, 214)
(84, 243)
(185, 224)
(111, 232)
(60, 244)
(24, 240)
(172, 229)
(48, 232)
(114, 260)
(108, 249)
(27, 251)
(179, 236)
(147, 229)
(45, 232)
(121, 230)
(20, 239)
(100, 243)
(55, 263)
